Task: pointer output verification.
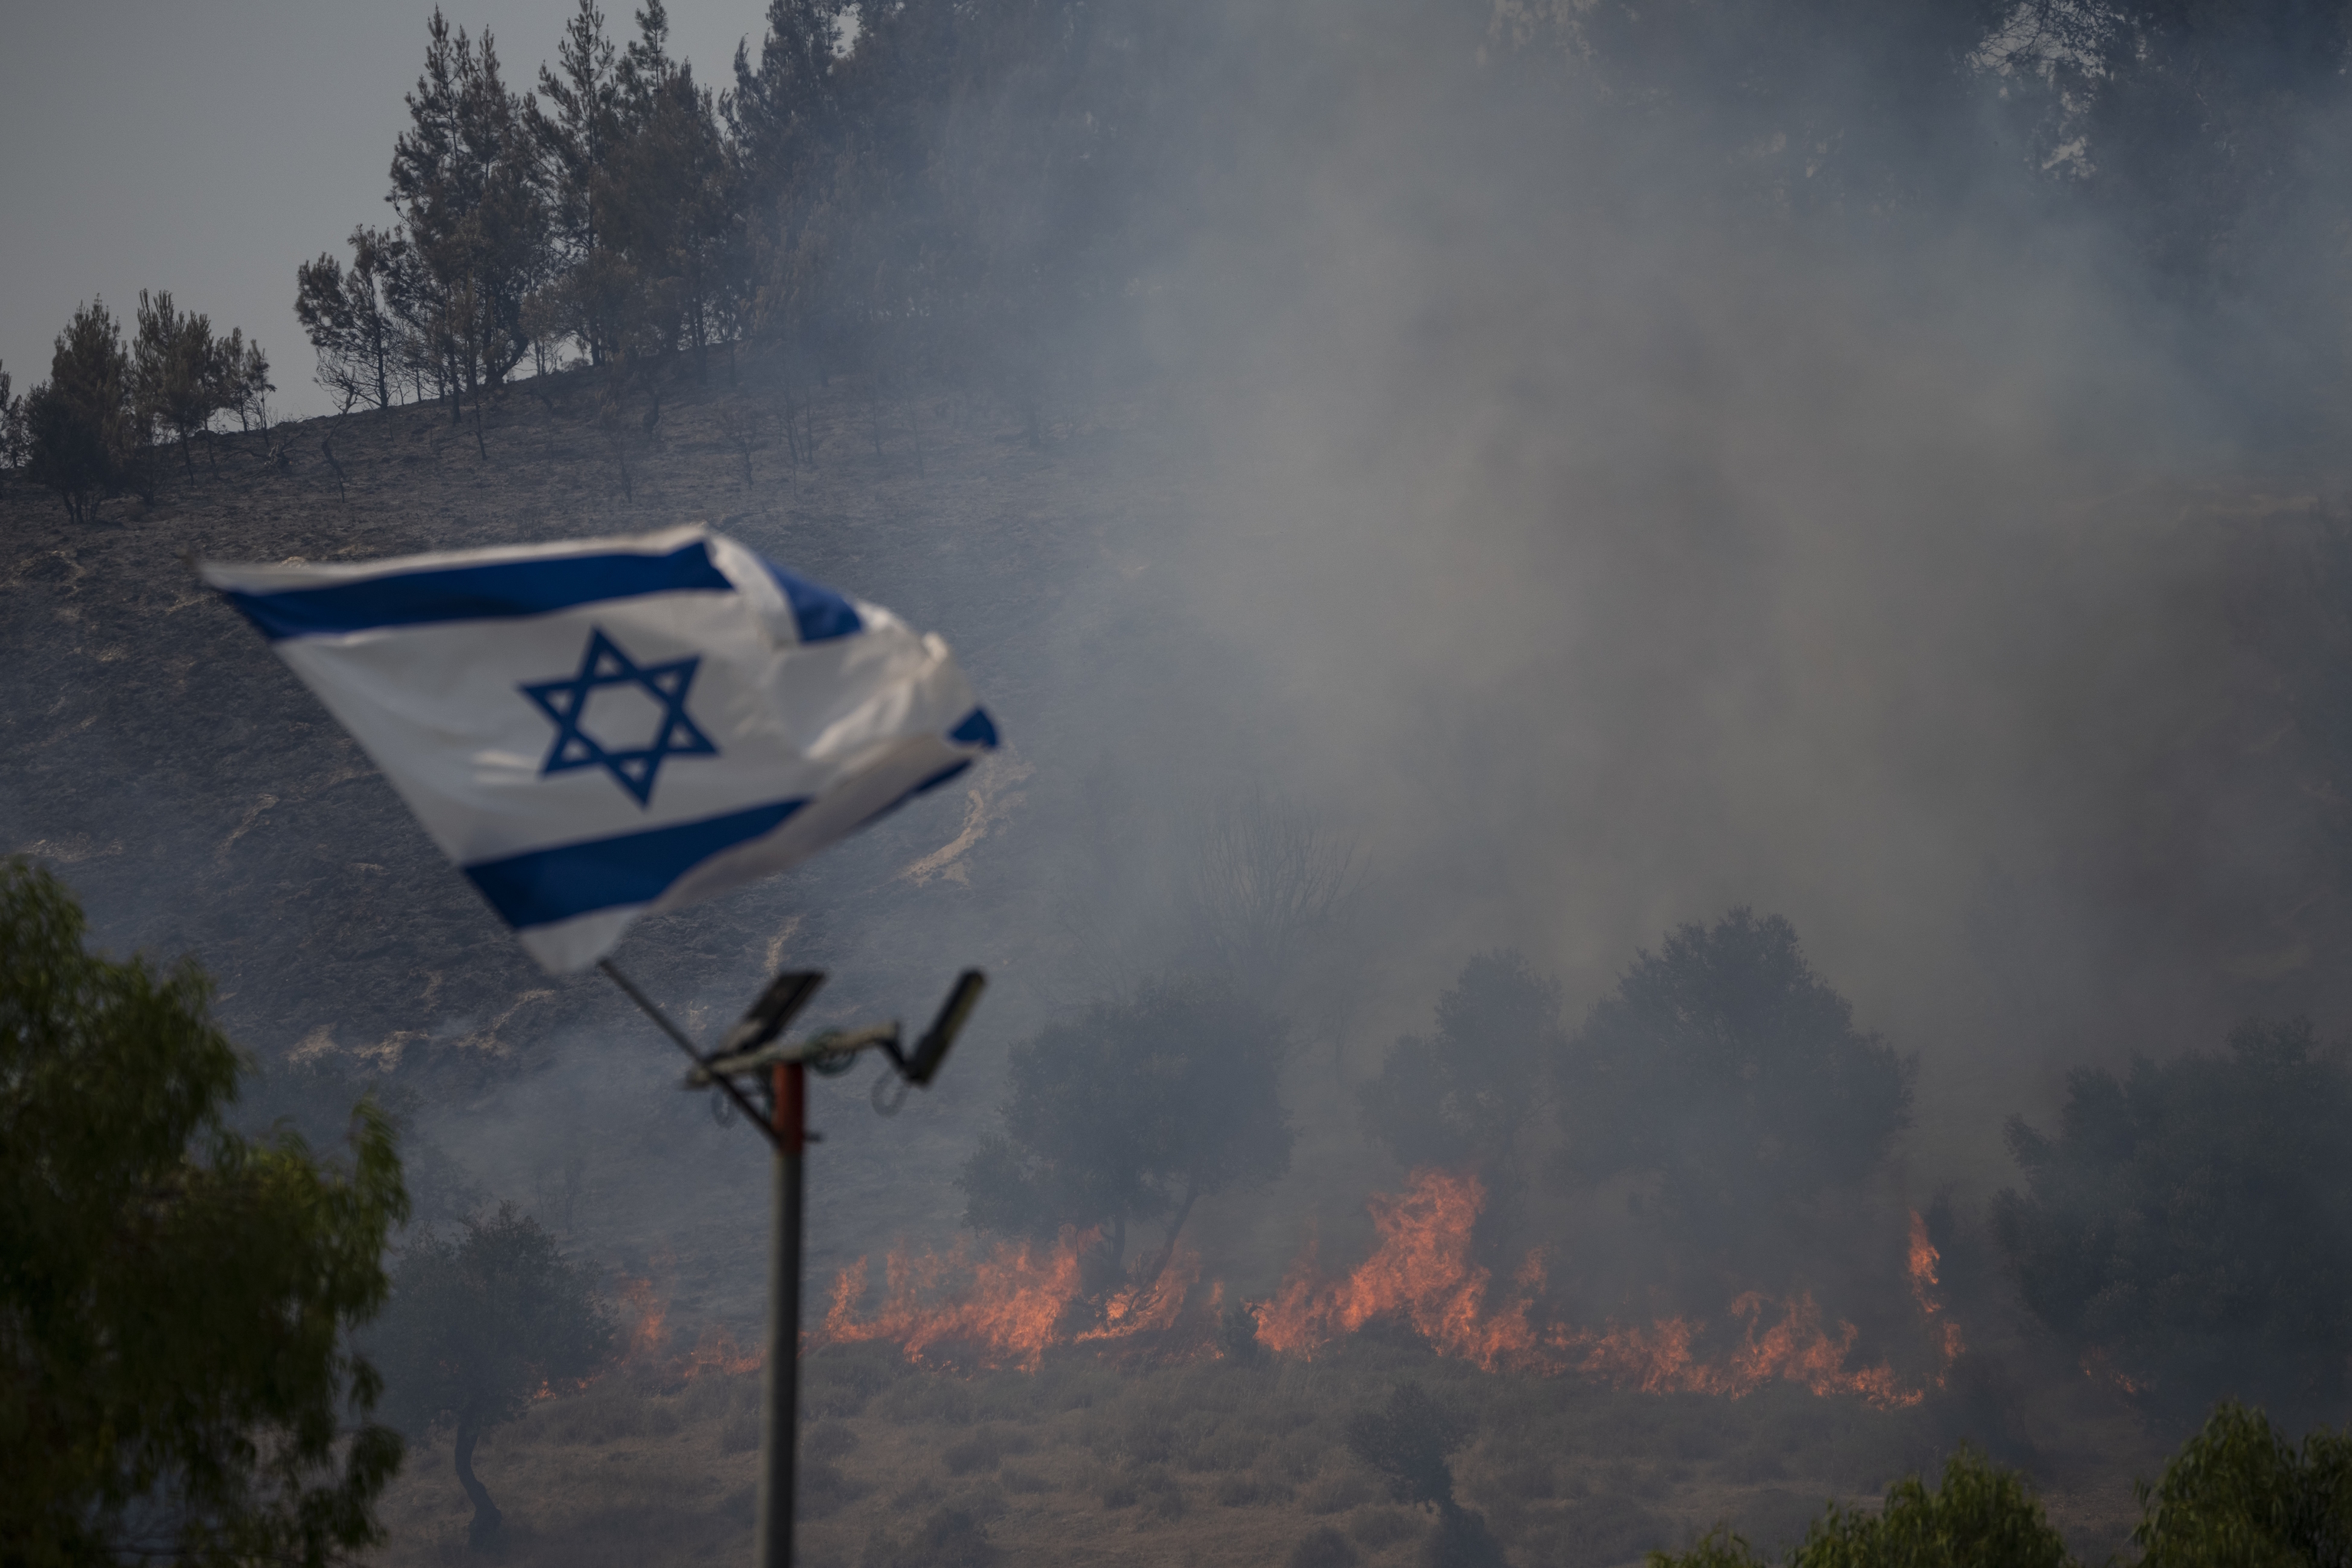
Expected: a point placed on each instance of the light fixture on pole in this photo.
(766, 1076)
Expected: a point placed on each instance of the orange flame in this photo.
(1008, 1307)
(1923, 1260)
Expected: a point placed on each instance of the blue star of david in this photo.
(605, 663)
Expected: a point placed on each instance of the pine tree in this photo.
(351, 319)
(466, 183)
(576, 140)
(180, 376)
(83, 436)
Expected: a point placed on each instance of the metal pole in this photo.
(780, 1421)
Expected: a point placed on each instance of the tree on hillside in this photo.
(577, 135)
(1131, 1113)
(83, 436)
(1410, 1444)
(12, 424)
(1725, 1069)
(479, 1324)
(350, 322)
(1468, 1095)
(672, 215)
(464, 181)
(180, 376)
(2189, 1226)
(175, 1298)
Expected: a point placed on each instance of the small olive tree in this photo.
(479, 1322)
(1726, 1070)
(1133, 1112)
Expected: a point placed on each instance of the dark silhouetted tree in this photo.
(181, 376)
(578, 134)
(466, 181)
(1724, 1068)
(83, 435)
(478, 1325)
(349, 316)
(1467, 1096)
(12, 424)
(1410, 1442)
(175, 1298)
(2190, 1223)
(672, 215)
(1131, 1113)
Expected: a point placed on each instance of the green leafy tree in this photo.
(478, 1324)
(1468, 1095)
(83, 436)
(1133, 1112)
(175, 1298)
(1977, 1514)
(1725, 1069)
(2240, 1492)
(2191, 1223)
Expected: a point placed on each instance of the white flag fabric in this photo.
(601, 727)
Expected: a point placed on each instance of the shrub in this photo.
(2190, 1223)
(1724, 1068)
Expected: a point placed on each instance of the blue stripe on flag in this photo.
(503, 589)
(977, 730)
(544, 886)
(819, 612)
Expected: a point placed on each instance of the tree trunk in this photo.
(1159, 1265)
(485, 1528)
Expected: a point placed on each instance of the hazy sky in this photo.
(209, 148)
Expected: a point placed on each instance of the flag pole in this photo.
(752, 1049)
(780, 1421)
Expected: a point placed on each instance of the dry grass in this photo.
(1200, 1465)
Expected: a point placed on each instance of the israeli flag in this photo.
(598, 728)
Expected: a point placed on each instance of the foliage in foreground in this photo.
(2238, 1495)
(174, 1297)
(2240, 1492)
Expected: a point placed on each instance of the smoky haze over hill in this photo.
(1610, 474)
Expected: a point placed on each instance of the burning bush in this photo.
(2189, 1230)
